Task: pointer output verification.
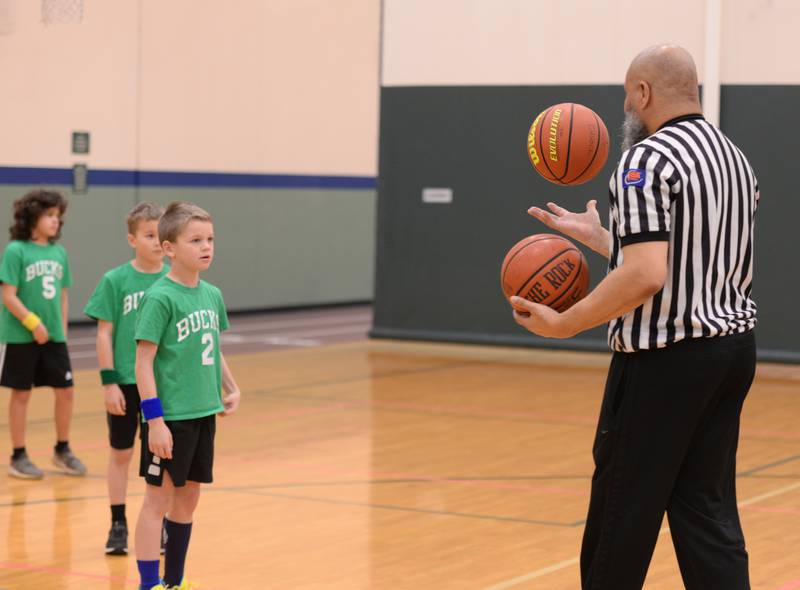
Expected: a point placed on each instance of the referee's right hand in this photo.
(584, 227)
(159, 438)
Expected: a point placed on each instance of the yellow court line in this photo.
(575, 560)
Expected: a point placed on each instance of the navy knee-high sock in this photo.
(175, 551)
(148, 573)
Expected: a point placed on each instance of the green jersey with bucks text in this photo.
(116, 299)
(185, 323)
(39, 272)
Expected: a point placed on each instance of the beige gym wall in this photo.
(533, 42)
(285, 86)
(247, 86)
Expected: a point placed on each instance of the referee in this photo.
(681, 319)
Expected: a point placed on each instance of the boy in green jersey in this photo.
(33, 326)
(114, 305)
(181, 373)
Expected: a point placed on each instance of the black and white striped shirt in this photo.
(689, 184)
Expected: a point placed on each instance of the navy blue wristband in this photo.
(151, 408)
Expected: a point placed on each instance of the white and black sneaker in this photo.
(117, 543)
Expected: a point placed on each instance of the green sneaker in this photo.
(23, 468)
(69, 463)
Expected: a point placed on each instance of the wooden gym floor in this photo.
(360, 464)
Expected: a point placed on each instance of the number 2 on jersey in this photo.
(208, 353)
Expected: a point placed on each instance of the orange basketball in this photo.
(546, 269)
(568, 144)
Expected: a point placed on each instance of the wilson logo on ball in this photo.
(532, 153)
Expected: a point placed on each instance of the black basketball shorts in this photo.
(122, 429)
(192, 453)
(27, 365)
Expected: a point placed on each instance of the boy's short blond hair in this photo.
(146, 211)
(177, 216)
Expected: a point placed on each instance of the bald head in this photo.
(669, 69)
(661, 84)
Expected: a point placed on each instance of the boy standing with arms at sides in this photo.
(180, 373)
(33, 326)
(114, 304)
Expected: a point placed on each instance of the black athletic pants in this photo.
(666, 442)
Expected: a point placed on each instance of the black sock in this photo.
(61, 446)
(118, 513)
(18, 452)
(175, 551)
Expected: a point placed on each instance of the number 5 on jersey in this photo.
(48, 286)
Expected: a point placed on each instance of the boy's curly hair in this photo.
(28, 210)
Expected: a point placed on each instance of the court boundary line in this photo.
(575, 560)
(239, 326)
(371, 505)
(269, 392)
(778, 463)
(441, 366)
(58, 571)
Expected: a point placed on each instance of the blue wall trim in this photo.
(106, 177)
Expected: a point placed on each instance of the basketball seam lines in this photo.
(569, 141)
(596, 149)
(530, 278)
(505, 269)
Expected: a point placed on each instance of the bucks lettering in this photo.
(203, 319)
(131, 302)
(44, 268)
(49, 270)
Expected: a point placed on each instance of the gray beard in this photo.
(633, 130)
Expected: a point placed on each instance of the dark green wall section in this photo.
(275, 247)
(437, 270)
(764, 121)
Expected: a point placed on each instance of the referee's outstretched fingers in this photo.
(558, 210)
(547, 218)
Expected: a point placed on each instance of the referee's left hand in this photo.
(541, 320)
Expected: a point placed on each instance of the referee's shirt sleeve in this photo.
(646, 182)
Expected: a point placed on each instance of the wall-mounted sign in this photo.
(80, 179)
(80, 142)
